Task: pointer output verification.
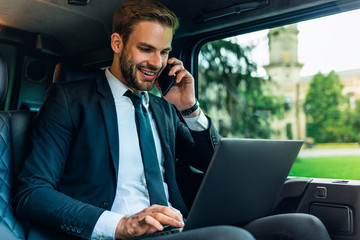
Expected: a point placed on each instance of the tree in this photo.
(350, 127)
(356, 116)
(322, 107)
(239, 100)
(353, 121)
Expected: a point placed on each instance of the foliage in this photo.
(354, 121)
(289, 133)
(231, 91)
(350, 121)
(324, 108)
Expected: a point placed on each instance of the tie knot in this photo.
(135, 98)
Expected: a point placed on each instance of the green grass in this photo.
(336, 145)
(327, 167)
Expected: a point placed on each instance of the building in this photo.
(284, 70)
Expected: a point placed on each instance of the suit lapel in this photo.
(161, 122)
(165, 128)
(107, 106)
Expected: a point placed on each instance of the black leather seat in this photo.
(14, 131)
(14, 126)
(65, 72)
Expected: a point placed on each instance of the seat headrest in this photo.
(64, 73)
(4, 80)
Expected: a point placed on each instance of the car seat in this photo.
(14, 126)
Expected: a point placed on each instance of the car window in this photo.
(299, 81)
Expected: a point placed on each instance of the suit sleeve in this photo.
(196, 147)
(38, 198)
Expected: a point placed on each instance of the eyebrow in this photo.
(152, 47)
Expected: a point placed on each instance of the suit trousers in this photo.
(291, 226)
(209, 233)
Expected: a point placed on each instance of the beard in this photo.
(129, 70)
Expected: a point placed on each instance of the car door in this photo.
(291, 79)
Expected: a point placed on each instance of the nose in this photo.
(155, 60)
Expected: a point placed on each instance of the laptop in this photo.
(245, 177)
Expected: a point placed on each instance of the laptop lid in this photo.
(243, 181)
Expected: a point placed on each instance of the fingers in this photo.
(182, 93)
(148, 221)
(181, 74)
(167, 215)
(175, 62)
(178, 69)
(135, 225)
(153, 222)
(166, 220)
(158, 216)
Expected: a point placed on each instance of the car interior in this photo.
(46, 41)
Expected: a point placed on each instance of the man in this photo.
(85, 158)
(86, 174)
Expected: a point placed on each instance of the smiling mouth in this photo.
(150, 75)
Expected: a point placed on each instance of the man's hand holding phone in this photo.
(165, 80)
(178, 88)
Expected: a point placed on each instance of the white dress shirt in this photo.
(131, 193)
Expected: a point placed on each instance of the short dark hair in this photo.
(134, 11)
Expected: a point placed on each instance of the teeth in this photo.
(147, 73)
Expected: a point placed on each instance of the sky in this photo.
(324, 44)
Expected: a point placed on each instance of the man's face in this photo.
(145, 55)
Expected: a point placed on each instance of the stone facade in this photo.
(284, 71)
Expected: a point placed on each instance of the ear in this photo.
(116, 43)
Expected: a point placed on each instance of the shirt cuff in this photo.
(198, 123)
(106, 226)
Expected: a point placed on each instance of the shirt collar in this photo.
(118, 88)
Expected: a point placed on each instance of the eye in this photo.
(165, 53)
(145, 49)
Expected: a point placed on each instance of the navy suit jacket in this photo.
(70, 171)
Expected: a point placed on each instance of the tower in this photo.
(284, 70)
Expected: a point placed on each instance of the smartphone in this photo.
(166, 81)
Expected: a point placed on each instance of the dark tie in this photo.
(148, 151)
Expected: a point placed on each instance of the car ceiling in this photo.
(82, 29)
